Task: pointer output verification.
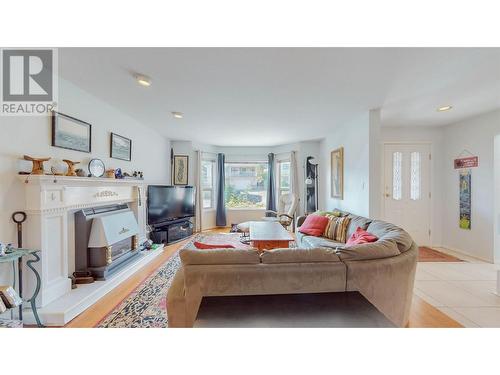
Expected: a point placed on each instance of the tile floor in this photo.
(464, 291)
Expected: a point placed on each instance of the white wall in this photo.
(354, 137)
(476, 135)
(375, 164)
(32, 136)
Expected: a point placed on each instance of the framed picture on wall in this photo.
(70, 133)
(120, 147)
(337, 173)
(181, 169)
(465, 199)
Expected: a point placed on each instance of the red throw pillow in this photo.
(361, 236)
(203, 246)
(314, 225)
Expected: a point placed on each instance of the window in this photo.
(207, 183)
(397, 160)
(415, 176)
(283, 177)
(246, 185)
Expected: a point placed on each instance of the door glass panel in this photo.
(397, 181)
(415, 176)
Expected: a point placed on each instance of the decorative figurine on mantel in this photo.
(118, 173)
(80, 172)
(110, 173)
(71, 167)
(138, 175)
(37, 164)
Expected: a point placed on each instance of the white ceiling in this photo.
(271, 96)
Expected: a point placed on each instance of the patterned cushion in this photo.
(336, 213)
(337, 228)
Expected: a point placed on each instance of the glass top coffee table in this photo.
(267, 235)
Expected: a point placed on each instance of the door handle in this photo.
(387, 195)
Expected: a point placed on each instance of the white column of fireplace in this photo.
(50, 202)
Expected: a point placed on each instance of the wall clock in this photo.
(96, 168)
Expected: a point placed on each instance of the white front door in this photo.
(407, 193)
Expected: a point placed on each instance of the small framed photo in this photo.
(120, 147)
(70, 133)
(181, 168)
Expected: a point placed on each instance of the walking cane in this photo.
(19, 218)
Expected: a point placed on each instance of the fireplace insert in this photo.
(105, 239)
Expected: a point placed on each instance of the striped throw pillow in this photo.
(337, 228)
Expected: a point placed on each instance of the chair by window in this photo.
(287, 205)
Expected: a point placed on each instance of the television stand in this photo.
(172, 231)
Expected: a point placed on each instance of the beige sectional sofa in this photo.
(383, 272)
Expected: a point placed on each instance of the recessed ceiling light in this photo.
(143, 80)
(444, 108)
(177, 114)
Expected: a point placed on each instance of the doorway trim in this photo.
(432, 212)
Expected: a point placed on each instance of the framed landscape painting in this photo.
(70, 133)
(337, 173)
(121, 147)
(181, 168)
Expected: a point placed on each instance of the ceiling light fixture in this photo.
(444, 108)
(143, 80)
(177, 114)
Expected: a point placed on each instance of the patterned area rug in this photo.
(426, 254)
(146, 306)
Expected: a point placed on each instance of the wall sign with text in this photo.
(468, 162)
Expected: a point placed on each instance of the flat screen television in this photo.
(167, 203)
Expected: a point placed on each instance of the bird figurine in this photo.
(71, 167)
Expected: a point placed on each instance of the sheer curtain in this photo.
(199, 193)
(220, 216)
(294, 175)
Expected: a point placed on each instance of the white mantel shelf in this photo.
(52, 193)
(78, 181)
(50, 203)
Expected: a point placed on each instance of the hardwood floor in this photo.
(95, 313)
(422, 314)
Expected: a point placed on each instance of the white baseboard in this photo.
(461, 252)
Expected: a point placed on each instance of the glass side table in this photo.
(17, 255)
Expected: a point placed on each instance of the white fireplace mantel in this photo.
(50, 205)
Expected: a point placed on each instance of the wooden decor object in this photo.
(71, 167)
(37, 164)
(110, 173)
